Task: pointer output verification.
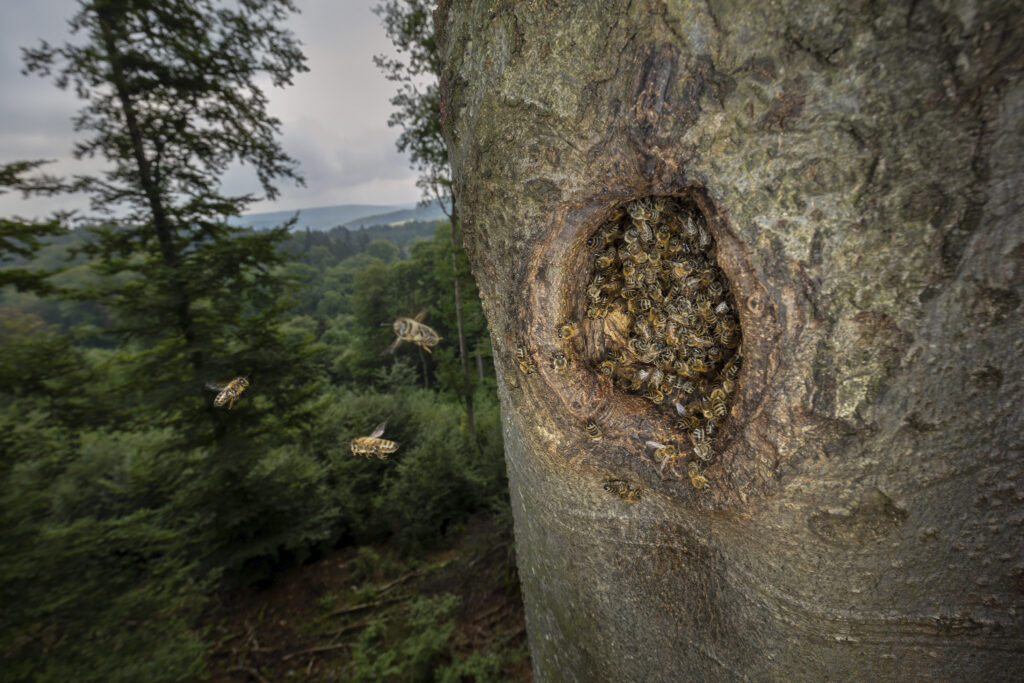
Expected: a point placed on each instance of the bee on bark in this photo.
(560, 362)
(526, 364)
(623, 490)
(596, 311)
(594, 241)
(373, 444)
(593, 430)
(699, 481)
(607, 367)
(667, 455)
(701, 443)
(228, 392)
(567, 331)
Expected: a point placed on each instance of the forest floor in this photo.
(307, 623)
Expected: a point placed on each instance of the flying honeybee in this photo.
(373, 444)
(413, 330)
(228, 392)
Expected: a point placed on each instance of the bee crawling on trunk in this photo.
(373, 444)
(413, 330)
(228, 392)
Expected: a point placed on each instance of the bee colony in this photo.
(670, 330)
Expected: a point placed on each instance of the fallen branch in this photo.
(368, 605)
(333, 635)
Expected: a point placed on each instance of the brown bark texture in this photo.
(859, 165)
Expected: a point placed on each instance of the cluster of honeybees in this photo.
(657, 282)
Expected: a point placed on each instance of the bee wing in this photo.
(681, 409)
(217, 386)
(378, 430)
(655, 444)
(420, 316)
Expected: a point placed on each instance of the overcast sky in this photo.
(334, 117)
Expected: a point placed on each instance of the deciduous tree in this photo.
(858, 167)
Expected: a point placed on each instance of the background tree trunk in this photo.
(860, 169)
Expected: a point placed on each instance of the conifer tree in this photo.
(172, 99)
(409, 25)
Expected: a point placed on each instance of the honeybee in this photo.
(594, 241)
(699, 342)
(567, 331)
(698, 480)
(373, 444)
(605, 259)
(719, 410)
(704, 237)
(665, 454)
(631, 236)
(684, 385)
(653, 376)
(611, 232)
(724, 332)
(228, 392)
(623, 490)
(596, 311)
(654, 395)
(690, 228)
(413, 330)
(701, 444)
(526, 364)
(559, 362)
(593, 430)
(607, 367)
(644, 228)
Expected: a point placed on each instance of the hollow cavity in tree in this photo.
(669, 320)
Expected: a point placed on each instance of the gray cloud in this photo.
(334, 118)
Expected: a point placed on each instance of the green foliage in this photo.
(20, 240)
(124, 496)
(409, 649)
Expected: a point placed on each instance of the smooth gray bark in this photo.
(860, 165)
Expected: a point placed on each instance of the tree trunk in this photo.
(467, 382)
(859, 168)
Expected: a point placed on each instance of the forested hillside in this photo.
(124, 508)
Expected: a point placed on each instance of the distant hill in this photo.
(430, 212)
(353, 216)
